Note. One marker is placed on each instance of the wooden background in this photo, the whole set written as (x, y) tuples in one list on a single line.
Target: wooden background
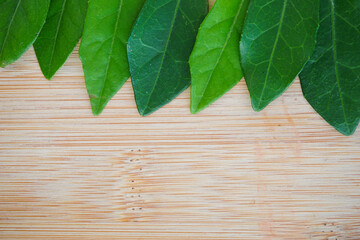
[(226, 173)]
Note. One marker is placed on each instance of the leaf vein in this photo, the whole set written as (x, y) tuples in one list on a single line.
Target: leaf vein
[(165, 50), (8, 30), (110, 55), (273, 50)]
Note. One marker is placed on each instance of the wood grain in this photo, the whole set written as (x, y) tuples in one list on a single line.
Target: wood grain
[(226, 173)]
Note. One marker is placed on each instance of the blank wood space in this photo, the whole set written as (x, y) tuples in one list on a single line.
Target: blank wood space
[(226, 173)]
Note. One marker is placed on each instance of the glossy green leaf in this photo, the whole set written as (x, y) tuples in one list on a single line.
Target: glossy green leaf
[(62, 31), (331, 79), (159, 49), (103, 48), (20, 22), (215, 60), (278, 39)]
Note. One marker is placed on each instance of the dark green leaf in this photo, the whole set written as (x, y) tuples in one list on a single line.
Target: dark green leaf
[(159, 49), (215, 60), (278, 39), (20, 22), (103, 48), (331, 79), (60, 34)]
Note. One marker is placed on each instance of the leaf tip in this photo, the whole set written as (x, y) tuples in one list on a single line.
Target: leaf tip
[(346, 131), (144, 112), (194, 108), (258, 106), (96, 112), (194, 111), (48, 77), (3, 64), (48, 74), (97, 107)]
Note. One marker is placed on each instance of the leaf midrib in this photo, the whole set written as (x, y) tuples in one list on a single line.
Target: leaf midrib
[(223, 49), (56, 36), (333, 32), (273, 52), (110, 56), (8, 30), (164, 53)]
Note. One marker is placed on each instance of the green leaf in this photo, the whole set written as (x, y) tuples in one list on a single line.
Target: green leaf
[(278, 39), (215, 60), (159, 49), (20, 22), (60, 34), (103, 48), (331, 79)]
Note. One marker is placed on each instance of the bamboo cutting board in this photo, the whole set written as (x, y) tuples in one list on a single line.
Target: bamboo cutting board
[(226, 173)]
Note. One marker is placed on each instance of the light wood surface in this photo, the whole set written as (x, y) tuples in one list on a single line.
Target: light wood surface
[(226, 173)]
